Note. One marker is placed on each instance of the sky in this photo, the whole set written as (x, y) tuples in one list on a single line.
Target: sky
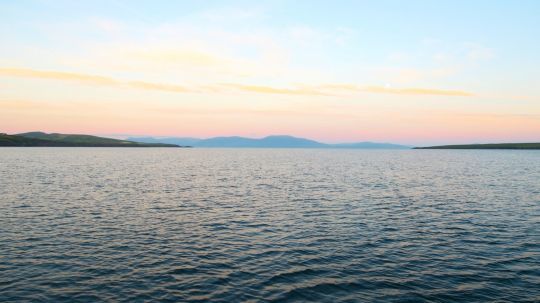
[(409, 72)]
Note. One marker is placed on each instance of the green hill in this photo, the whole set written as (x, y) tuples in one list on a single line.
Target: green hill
[(487, 146), (64, 140)]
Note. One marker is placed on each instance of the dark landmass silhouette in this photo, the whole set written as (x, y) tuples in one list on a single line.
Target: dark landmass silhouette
[(486, 146), (68, 140)]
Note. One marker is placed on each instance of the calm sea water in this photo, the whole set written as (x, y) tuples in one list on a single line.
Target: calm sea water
[(233, 225)]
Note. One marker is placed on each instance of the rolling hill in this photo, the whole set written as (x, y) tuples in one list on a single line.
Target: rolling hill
[(487, 146), (66, 140)]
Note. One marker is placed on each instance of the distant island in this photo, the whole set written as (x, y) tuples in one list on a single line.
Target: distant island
[(282, 141), (487, 146), (34, 139)]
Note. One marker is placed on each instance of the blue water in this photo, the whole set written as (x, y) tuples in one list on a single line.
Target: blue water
[(255, 225)]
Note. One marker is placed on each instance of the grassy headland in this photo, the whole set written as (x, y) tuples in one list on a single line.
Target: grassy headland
[(64, 140), (487, 146)]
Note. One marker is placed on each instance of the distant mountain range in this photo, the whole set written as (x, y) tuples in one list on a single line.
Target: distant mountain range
[(64, 140), (266, 142), (71, 140)]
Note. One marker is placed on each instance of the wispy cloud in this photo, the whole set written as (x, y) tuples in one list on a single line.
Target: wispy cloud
[(31, 73), (89, 79), (416, 91), (158, 86), (389, 90), (107, 25), (331, 89), (229, 14), (274, 90), (476, 52), (182, 57)]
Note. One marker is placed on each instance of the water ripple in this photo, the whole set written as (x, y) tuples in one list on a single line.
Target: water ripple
[(139, 225)]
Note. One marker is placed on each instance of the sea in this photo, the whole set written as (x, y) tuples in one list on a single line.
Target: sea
[(269, 225)]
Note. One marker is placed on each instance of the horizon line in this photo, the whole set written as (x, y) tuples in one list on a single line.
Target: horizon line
[(127, 136)]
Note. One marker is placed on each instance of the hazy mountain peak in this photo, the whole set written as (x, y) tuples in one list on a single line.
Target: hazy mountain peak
[(271, 141)]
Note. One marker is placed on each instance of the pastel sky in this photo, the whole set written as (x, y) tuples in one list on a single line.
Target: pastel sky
[(413, 72)]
